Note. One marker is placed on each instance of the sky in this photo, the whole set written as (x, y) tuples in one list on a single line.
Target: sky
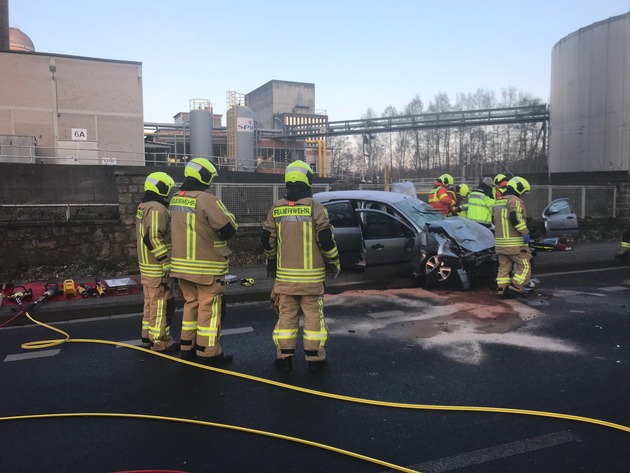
[(359, 54)]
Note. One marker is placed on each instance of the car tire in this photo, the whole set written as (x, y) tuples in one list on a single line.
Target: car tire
[(436, 274)]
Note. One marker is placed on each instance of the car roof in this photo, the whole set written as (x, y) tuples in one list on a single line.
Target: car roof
[(380, 196)]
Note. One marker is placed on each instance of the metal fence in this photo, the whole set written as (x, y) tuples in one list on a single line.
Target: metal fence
[(587, 201), (250, 203)]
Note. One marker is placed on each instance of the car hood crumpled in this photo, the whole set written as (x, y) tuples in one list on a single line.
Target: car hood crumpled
[(468, 234)]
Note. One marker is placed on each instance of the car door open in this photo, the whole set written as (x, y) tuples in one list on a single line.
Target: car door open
[(560, 219), (387, 240)]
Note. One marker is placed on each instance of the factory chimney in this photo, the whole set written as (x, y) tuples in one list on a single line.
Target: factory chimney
[(4, 25)]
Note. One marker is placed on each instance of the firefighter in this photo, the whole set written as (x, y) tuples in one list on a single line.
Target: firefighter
[(512, 238), (440, 198), (480, 203), (624, 252), (500, 182), (201, 227), (301, 251), (459, 193), (153, 239)]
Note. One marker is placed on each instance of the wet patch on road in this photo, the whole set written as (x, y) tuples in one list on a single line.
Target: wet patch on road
[(459, 325)]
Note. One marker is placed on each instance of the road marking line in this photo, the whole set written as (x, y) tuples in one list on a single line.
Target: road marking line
[(386, 314), (31, 355), (236, 331), (495, 453), (614, 288), (230, 331)]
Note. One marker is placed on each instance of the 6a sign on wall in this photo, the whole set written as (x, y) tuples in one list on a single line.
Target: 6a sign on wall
[(79, 134)]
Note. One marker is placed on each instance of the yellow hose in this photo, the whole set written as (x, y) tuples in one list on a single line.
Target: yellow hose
[(502, 410)]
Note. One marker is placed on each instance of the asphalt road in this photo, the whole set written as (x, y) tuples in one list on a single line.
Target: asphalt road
[(563, 351)]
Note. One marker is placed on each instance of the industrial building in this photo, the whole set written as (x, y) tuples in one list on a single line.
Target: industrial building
[(590, 99), (61, 109)]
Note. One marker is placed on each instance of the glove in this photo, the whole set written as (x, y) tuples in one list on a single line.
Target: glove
[(166, 270), (333, 268), (527, 238), (272, 266)]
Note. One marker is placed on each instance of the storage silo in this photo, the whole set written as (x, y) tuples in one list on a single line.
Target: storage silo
[(590, 99), (245, 139), (200, 119)]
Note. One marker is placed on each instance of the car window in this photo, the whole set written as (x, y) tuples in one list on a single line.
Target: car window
[(560, 207), (378, 225), (341, 215), (419, 212)]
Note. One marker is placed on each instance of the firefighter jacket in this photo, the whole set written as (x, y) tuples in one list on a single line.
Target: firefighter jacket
[(199, 251), (153, 241), (294, 241), (509, 219), (480, 205), (441, 200)]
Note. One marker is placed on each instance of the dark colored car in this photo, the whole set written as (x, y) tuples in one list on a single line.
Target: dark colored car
[(388, 229)]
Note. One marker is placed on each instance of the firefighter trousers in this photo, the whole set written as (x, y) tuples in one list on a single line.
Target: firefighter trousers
[(201, 323), (515, 269), (159, 307), (315, 331)]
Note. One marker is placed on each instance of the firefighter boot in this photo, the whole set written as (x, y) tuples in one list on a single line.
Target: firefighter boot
[(284, 364), (314, 366), (218, 360)]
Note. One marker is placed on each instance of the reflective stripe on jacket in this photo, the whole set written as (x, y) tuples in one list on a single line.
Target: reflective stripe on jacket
[(153, 241), (480, 207), (441, 200), (509, 237), (199, 254), (293, 228)]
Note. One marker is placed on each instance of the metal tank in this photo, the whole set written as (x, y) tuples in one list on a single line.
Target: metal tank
[(590, 99), (200, 119), (245, 139)]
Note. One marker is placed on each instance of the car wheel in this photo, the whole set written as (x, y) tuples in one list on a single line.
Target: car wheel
[(435, 272)]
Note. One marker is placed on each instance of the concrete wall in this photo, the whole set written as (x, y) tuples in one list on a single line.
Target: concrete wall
[(47, 96), (70, 214)]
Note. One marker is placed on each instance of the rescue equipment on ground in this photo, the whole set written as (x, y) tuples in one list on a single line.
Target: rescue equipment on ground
[(99, 287), (87, 291), (247, 282), (68, 287)]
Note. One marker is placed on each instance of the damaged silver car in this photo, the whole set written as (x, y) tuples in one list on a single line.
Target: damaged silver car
[(402, 235)]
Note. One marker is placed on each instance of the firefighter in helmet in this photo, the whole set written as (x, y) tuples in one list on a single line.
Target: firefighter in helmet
[(512, 238), (301, 251), (153, 241), (459, 193), (440, 198), (201, 226), (500, 183), (480, 203)]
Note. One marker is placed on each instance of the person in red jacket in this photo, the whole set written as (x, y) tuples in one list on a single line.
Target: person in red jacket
[(500, 185), (440, 198)]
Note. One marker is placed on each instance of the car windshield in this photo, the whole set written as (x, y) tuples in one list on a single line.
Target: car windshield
[(420, 212)]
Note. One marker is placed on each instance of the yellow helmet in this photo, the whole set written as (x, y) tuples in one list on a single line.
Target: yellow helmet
[(201, 169), (462, 190), (498, 178), (160, 183), (446, 179), (519, 185), (298, 171)]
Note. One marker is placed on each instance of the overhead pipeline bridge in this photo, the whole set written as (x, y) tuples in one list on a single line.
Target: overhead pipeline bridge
[(458, 119)]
